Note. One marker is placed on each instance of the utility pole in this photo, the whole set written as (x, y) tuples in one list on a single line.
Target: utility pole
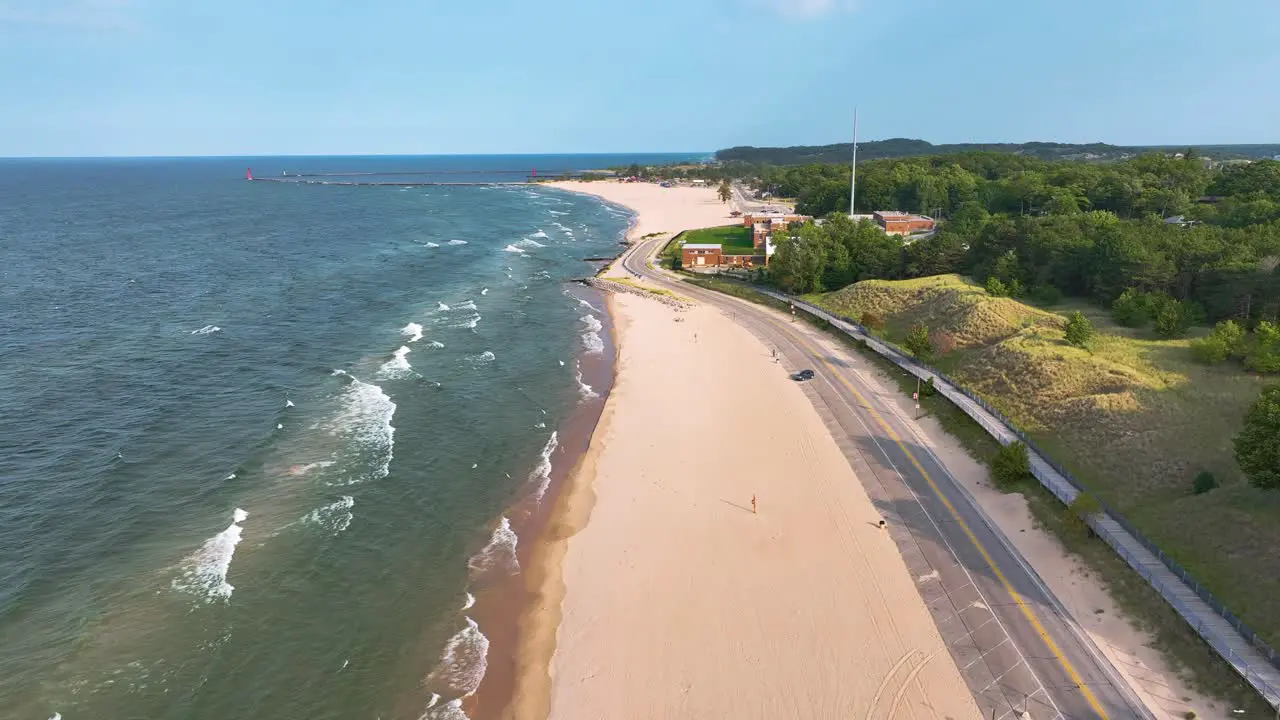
[(853, 167)]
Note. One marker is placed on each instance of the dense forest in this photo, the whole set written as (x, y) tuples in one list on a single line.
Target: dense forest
[(903, 147), (1042, 229)]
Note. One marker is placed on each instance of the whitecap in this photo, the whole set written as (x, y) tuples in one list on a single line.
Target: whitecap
[(529, 243), (430, 244), (441, 306), (485, 291), (465, 305), (457, 242), (288, 403), (56, 716), (334, 517), (451, 710), (470, 601), (591, 338), (436, 344), (541, 474), (462, 664), (364, 420), (206, 330), (514, 249), (561, 363), (279, 426), (398, 366), (539, 426), (558, 212), (584, 389), (499, 553), (470, 323), (483, 358), (204, 572), (413, 331)]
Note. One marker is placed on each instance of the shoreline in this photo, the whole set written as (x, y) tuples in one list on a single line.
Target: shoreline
[(500, 604), (638, 584)]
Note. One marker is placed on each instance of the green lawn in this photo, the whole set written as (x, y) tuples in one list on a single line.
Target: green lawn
[(734, 240)]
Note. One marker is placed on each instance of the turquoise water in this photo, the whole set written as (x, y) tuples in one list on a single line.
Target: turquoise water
[(257, 439)]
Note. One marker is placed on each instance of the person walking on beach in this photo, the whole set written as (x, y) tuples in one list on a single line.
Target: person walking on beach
[(753, 503), (793, 313), (775, 356)]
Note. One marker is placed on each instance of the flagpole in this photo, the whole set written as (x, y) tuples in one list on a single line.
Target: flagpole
[(853, 174)]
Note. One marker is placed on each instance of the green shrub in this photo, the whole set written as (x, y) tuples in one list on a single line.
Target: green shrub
[(1011, 466), (1210, 350), (996, 287), (1015, 288), (1173, 318), (1203, 483), (1079, 330), (1132, 308), (1258, 444), (1264, 350), (918, 344)]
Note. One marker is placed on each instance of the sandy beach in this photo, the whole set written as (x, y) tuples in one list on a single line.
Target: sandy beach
[(660, 593), (704, 610)]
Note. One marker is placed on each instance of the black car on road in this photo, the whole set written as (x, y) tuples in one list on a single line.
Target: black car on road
[(802, 375)]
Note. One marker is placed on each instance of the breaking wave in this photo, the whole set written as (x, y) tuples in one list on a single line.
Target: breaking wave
[(584, 389), (591, 338), (462, 667), (206, 330), (334, 517), (364, 420), (457, 242), (413, 331), (204, 572), (514, 249), (541, 474), (398, 366), (499, 553)]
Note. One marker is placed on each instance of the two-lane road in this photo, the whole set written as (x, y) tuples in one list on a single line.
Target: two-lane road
[(1014, 645)]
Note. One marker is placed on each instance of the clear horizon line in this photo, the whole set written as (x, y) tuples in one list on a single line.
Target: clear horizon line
[(365, 155)]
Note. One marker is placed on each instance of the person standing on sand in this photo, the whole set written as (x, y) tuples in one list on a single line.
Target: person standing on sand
[(753, 503)]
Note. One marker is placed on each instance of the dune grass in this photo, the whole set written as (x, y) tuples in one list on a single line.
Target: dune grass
[(1133, 417)]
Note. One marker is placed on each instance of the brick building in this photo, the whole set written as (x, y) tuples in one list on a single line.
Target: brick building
[(696, 255), (900, 223)]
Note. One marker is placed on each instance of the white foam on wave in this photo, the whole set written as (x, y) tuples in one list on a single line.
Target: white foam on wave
[(499, 553), (204, 572), (441, 306), (451, 710), (288, 403), (584, 389), (514, 249), (413, 331), (582, 302), (462, 665), (365, 421), (465, 305), (457, 242), (558, 212), (530, 243), (436, 344), (206, 330), (334, 517), (541, 474), (483, 358), (469, 602), (430, 244), (591, 338), (398, 366), (470, 323), (484, 291), (539, 234)]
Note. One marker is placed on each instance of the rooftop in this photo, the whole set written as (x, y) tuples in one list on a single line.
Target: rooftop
[(701, 246)]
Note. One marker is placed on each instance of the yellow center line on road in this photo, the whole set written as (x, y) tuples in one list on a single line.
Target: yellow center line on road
[(1017, 597)]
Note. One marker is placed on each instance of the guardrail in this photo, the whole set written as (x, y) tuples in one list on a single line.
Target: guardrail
[(1242, 648)]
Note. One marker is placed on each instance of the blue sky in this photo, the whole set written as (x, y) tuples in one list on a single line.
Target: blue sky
[(243, 77)]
